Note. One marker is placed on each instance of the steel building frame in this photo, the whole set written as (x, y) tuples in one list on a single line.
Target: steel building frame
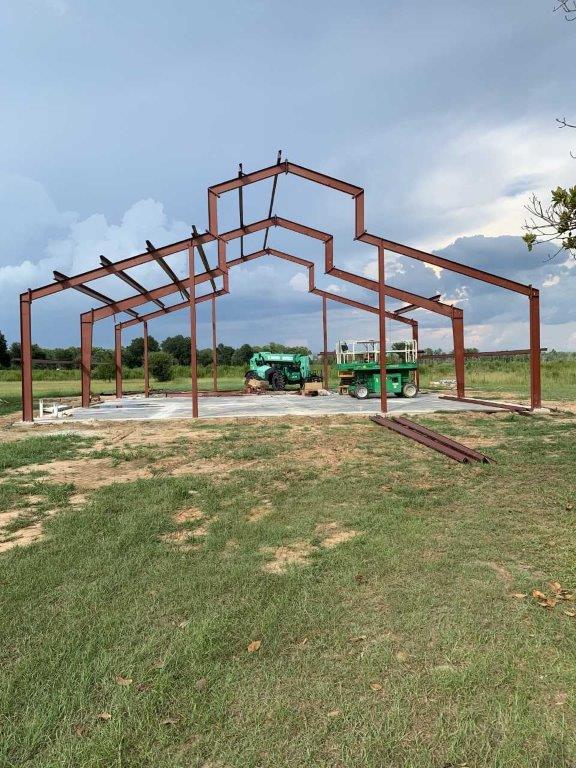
[(188, 287), (326, 295)]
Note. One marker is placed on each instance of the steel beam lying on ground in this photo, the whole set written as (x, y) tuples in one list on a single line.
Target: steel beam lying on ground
[(475, 401), (431, 439)]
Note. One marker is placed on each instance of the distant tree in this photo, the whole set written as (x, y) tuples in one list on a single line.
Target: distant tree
[(224, 354), (101, 355), (37, 352), (205, 356), (178, 347), (105, 368), (64, 354), (242, 355), (133, 354), (275, 347), (161, 366), (4, 354)]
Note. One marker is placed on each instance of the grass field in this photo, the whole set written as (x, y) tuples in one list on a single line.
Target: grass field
[(309, 593)]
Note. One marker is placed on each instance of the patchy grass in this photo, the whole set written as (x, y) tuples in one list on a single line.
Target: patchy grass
[(342, 598), (40, 449)]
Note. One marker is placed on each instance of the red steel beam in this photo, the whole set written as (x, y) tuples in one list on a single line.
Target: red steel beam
[(86, 326), (145, 361), (535, 373), (448, 310), (118, 358), (214, 351), (325, 382), (127, 279), (382, 330), (358, 194), (123, 264), (93, 294), (411, 307), (193, 325), (26, 355), (458, 336)]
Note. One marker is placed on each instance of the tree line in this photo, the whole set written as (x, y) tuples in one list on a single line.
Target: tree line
[(176, 348)]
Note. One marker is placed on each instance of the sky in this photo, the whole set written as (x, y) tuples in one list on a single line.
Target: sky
[(116, 117)]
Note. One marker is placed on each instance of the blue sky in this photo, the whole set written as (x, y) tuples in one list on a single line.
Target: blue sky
[(117, 116)]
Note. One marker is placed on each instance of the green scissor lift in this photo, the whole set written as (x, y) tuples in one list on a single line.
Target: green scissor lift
[(358, 364)]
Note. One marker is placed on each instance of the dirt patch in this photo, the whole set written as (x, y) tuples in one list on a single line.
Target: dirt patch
[(187, 539), (501, 571), (200, 531), (23, 537), (91, 473), (333, 534), (281, 558), (188, 515), (78, 499), (260, 512), (176, 537), (298, 552), (7, 517)]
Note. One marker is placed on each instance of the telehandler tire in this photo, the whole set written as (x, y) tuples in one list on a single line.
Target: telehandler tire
[(277, 381)]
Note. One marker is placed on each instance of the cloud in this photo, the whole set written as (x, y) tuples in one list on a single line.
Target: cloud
[(59, 7), (269, 299), (477, 181), (28, 217), (299, 282), (393, 267)]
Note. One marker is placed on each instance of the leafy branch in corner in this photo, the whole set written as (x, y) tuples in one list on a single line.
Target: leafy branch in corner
[(568, 7), (555, 223)]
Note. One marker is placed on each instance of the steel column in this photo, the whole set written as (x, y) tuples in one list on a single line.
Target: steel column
[(26, 356), (86, 325), (145, 361), (382, 329), (193, 353), (118, 359), (458, 336), (535, 382), (325, 337), (214, 353), (415, 338)]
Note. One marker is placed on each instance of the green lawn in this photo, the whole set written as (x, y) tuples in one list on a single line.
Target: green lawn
[(377, 578)]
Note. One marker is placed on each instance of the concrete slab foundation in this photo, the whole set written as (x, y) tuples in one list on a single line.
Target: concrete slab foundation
[(262, 406)]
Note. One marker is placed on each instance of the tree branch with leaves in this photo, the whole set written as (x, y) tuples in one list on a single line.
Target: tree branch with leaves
[(555, 223)]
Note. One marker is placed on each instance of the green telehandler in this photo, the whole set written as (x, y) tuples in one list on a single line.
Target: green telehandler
[(280, 369)]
